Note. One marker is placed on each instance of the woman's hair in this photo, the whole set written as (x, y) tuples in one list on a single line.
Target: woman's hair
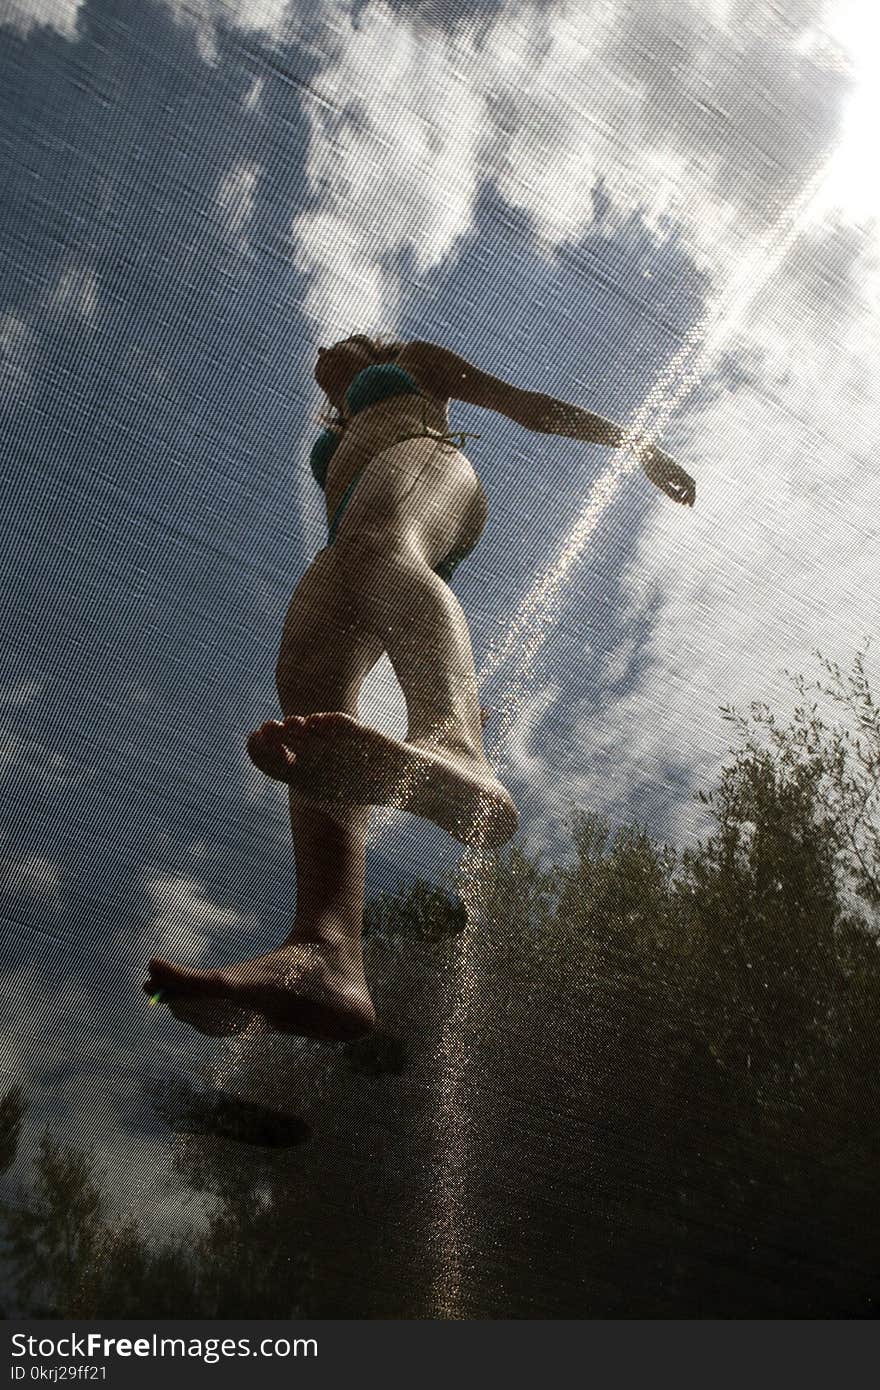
[(383, 350)]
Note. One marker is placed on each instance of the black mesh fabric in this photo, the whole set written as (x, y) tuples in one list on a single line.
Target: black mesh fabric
[(623, 1064)]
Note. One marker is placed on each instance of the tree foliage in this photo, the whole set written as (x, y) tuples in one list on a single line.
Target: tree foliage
[(12, 1111)]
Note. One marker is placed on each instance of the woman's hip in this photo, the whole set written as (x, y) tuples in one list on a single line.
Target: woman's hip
[(420, 488)]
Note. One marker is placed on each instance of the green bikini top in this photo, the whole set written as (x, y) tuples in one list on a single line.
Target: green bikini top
[(373, 384)]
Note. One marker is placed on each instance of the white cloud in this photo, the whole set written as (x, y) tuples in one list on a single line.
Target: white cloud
[(205, 18), (409, 121), (20, 696), (76, 292), (36, 761), (26, 15), (521, 758), (18, 354), (850, 36), (382, 703), (252, 100), (566, 121), (185, 922), (235, 199), (778, 558), (617, 663)]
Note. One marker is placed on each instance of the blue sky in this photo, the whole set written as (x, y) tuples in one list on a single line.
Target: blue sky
[(665, 209)]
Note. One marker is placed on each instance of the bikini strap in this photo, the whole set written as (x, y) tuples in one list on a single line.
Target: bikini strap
[(426, 433)]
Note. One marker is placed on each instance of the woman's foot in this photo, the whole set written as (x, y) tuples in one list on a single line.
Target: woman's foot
[(313, 989), (268, 752), (332, 757), (209, 1016)]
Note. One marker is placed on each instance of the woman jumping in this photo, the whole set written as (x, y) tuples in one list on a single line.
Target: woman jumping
[(404, 507)]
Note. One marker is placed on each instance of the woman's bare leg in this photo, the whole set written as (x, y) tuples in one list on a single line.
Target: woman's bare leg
[(413, 504), (313, 983), (374, 589)]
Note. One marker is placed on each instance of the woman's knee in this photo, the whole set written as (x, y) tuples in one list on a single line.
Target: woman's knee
[(323, 667), (307, 663), (309, 690), (296, 686)]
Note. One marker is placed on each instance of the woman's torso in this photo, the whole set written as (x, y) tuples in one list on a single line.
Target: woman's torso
[(378, 427)]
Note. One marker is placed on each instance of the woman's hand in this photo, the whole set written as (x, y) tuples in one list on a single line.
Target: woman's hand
[(666, 474)]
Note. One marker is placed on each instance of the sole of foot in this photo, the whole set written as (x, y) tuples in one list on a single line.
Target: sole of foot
[(212, 1017), (332, 757), (219, 1003)]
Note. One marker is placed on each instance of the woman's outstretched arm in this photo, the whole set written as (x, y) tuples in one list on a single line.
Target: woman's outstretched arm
[(551, 416), (449, 376)]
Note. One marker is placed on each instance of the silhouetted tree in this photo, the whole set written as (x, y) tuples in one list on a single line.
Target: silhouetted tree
[(70, 1258), (12, 1109)]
